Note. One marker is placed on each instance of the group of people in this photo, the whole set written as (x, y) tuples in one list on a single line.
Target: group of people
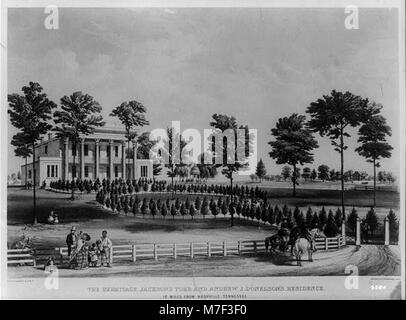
[(53, 218), (82, 254)]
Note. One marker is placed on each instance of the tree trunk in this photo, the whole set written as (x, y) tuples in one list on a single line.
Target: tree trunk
[(74, 170), (374, 182), (34, 204), (342, 172), (294, 180), (26, 172)]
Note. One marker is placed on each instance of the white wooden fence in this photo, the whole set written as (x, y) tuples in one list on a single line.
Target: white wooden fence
[(21, 257), (156, 251)]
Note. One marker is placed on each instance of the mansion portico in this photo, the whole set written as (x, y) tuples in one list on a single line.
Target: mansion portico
[(103, 154)]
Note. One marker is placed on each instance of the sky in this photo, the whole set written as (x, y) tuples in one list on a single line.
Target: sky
[(187, 64)]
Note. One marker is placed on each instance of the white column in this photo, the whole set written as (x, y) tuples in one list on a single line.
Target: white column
[(358, 233), (97, 159), (387, 233), (82, 159), (134, 160), (123, 158), (343, 232), (111, 160), (66, 156)]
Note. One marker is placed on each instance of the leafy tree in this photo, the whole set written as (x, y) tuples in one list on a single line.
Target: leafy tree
[(23, 149), (293, 144), (332, 115), (372, 136), (260, 171), (286, 172), (173, 144), (30, 113), (313, 175), (223, 123), (132, 115), (154, 210), (372, 220), (323, 172), (80, 115)]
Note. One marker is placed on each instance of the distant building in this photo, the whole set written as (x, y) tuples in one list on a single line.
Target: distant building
[(103, 154)]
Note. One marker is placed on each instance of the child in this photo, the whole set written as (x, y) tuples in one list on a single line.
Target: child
[(93, 255), (50, 265)]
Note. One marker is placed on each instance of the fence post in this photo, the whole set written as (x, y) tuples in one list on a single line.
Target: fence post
[(343, 232), (239, 248), (174, 250), (35, 257), (387, 232), (134, 253), (111, 255), (60, 256), (224, 249), (255, 246), (326, 243), (358, 232), (155, 252), (191, 250), (339, 242), (208, 249)]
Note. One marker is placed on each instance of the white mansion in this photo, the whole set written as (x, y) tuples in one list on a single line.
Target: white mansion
[(102, 154)]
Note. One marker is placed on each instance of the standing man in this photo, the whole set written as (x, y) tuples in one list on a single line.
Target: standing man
[(71, 240), (106, 245)]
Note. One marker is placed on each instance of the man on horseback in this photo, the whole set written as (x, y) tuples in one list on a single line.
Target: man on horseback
[(284, 233), (310, 236)]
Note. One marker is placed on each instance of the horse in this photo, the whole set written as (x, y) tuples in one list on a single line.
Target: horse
[(303, 245), (294, 235), (272, 243)]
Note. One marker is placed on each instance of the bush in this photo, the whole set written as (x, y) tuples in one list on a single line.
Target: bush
[(393, 227), (331, 229), (372, 220), (352, 220)]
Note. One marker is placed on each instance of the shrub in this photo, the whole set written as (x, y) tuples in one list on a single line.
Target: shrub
[(164, 210), (192, 210), (331, 229), (352, 220), (173, 211), (393, 227), (372, 220)]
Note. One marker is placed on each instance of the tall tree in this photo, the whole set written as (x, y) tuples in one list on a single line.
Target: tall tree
[(79, 115), (286, 172), (145, 144), (372, 136), (224, 122), (293, 144), (260, 171), (332, 115), (173, 143), (323, 172), (132, 115), (23, 149), (30, 114)]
